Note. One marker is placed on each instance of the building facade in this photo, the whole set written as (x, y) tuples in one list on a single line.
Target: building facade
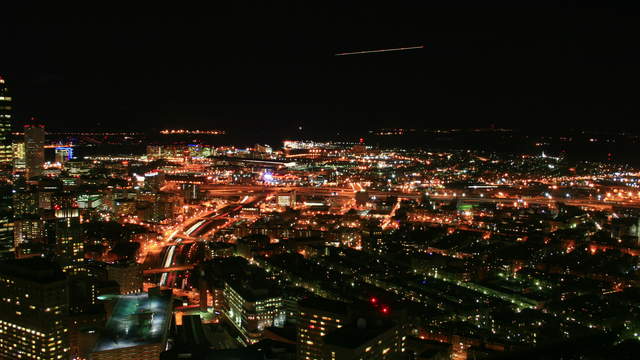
[(127, 275), (366, 341), (34, 150), (35, 300), (68, 246), (18, 157), (29, 235), (252, 310), (6, 153), (6, 221), (317, 318)]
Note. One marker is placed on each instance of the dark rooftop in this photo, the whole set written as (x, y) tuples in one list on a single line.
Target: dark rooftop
[(254, 289), (351, 336), (34, 269), (326, 305), (202, 353)]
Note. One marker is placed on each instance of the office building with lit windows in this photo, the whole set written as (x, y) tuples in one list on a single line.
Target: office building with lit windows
[(68, 246), (28, 236), (128, 275), (253, 308), (317, 318), (6, 221), (34, 150), (6, 153), (6, 162), (25, 200), (366, 339), (18, 157), (34, 301)]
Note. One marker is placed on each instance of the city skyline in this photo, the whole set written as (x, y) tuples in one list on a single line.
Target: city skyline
[(439, 181)]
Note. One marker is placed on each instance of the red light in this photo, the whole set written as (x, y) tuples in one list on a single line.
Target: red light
[(385, 310), (374, 300), (312, 327), (361, 140)]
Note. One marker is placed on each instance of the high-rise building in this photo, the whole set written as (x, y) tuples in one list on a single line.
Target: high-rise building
[(154, 180), (6, 154), (18, 156), (28, 226), (155, 207), (28, 235), (63, 154), (191, 193), (317, 318), (366, 340), (34, 150), (128, 275), (6, 162), (35, 301), (48, 191), (6, 221), (67, 244), (252, 308), (25, 201)]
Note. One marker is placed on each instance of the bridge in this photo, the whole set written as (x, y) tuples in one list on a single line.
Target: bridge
[(168, 269), (231, 190), (254, 161), (239, 190)]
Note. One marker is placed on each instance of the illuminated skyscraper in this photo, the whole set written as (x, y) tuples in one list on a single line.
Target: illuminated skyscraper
[(68, 246), (18, 156), (6, 221), (6, 156), (32, 323), (34, 150), (6, 163)]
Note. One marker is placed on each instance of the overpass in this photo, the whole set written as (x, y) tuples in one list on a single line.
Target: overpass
[(239, 190), (168, 269), (254, 161)]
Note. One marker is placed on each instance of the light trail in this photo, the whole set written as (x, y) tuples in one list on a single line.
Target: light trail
[(167, 263), (169, 258), (379, 50), (389, 220), (194, 227), (173, 234)]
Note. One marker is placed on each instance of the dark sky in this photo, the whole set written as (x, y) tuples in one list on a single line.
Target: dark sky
[(271, 67)]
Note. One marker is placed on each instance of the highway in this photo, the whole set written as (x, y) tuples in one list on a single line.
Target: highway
[(239, 190), (186, 237), (181, 243), (168, 269)]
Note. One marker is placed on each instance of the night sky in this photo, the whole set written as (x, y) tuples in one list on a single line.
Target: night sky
[(271, 68)]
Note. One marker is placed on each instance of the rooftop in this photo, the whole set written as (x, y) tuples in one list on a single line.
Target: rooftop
[(34, 269), (325, 305), (137, 320), (351, 336), (254, 289)]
